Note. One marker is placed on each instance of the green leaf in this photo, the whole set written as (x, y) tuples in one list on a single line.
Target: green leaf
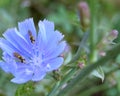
[(99, 73), (68, 58)]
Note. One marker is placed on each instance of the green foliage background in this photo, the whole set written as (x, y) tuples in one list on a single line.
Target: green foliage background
[(64, 14)]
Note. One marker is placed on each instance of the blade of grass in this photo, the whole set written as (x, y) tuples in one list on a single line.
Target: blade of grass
[(81, 46)]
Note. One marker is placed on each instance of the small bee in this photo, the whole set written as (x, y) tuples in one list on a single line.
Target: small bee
[(17, 55), (31, 36)]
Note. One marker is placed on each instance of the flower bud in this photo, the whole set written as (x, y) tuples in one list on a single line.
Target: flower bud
[(81, 65), (102, 53), (84, 14), (113, 35), (110, 37)]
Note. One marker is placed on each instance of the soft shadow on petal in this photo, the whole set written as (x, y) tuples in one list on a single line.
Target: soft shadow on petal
[(38, 74), (53, 42), (42, 36), (23, 76), (45, 33), (7, 47), (18, 41), (57, 51), (10, 63), (55, 63), (20, 80)]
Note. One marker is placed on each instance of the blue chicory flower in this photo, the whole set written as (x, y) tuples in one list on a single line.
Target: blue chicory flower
[(29, 55)]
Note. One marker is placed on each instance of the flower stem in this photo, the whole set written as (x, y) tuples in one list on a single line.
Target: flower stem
[(55, 87), (92, 30), (81, 46)]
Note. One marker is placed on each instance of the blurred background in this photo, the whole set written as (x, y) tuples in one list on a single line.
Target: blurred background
[(67, 16)]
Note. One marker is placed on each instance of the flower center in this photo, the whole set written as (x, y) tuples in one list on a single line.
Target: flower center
[(37, 61)]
